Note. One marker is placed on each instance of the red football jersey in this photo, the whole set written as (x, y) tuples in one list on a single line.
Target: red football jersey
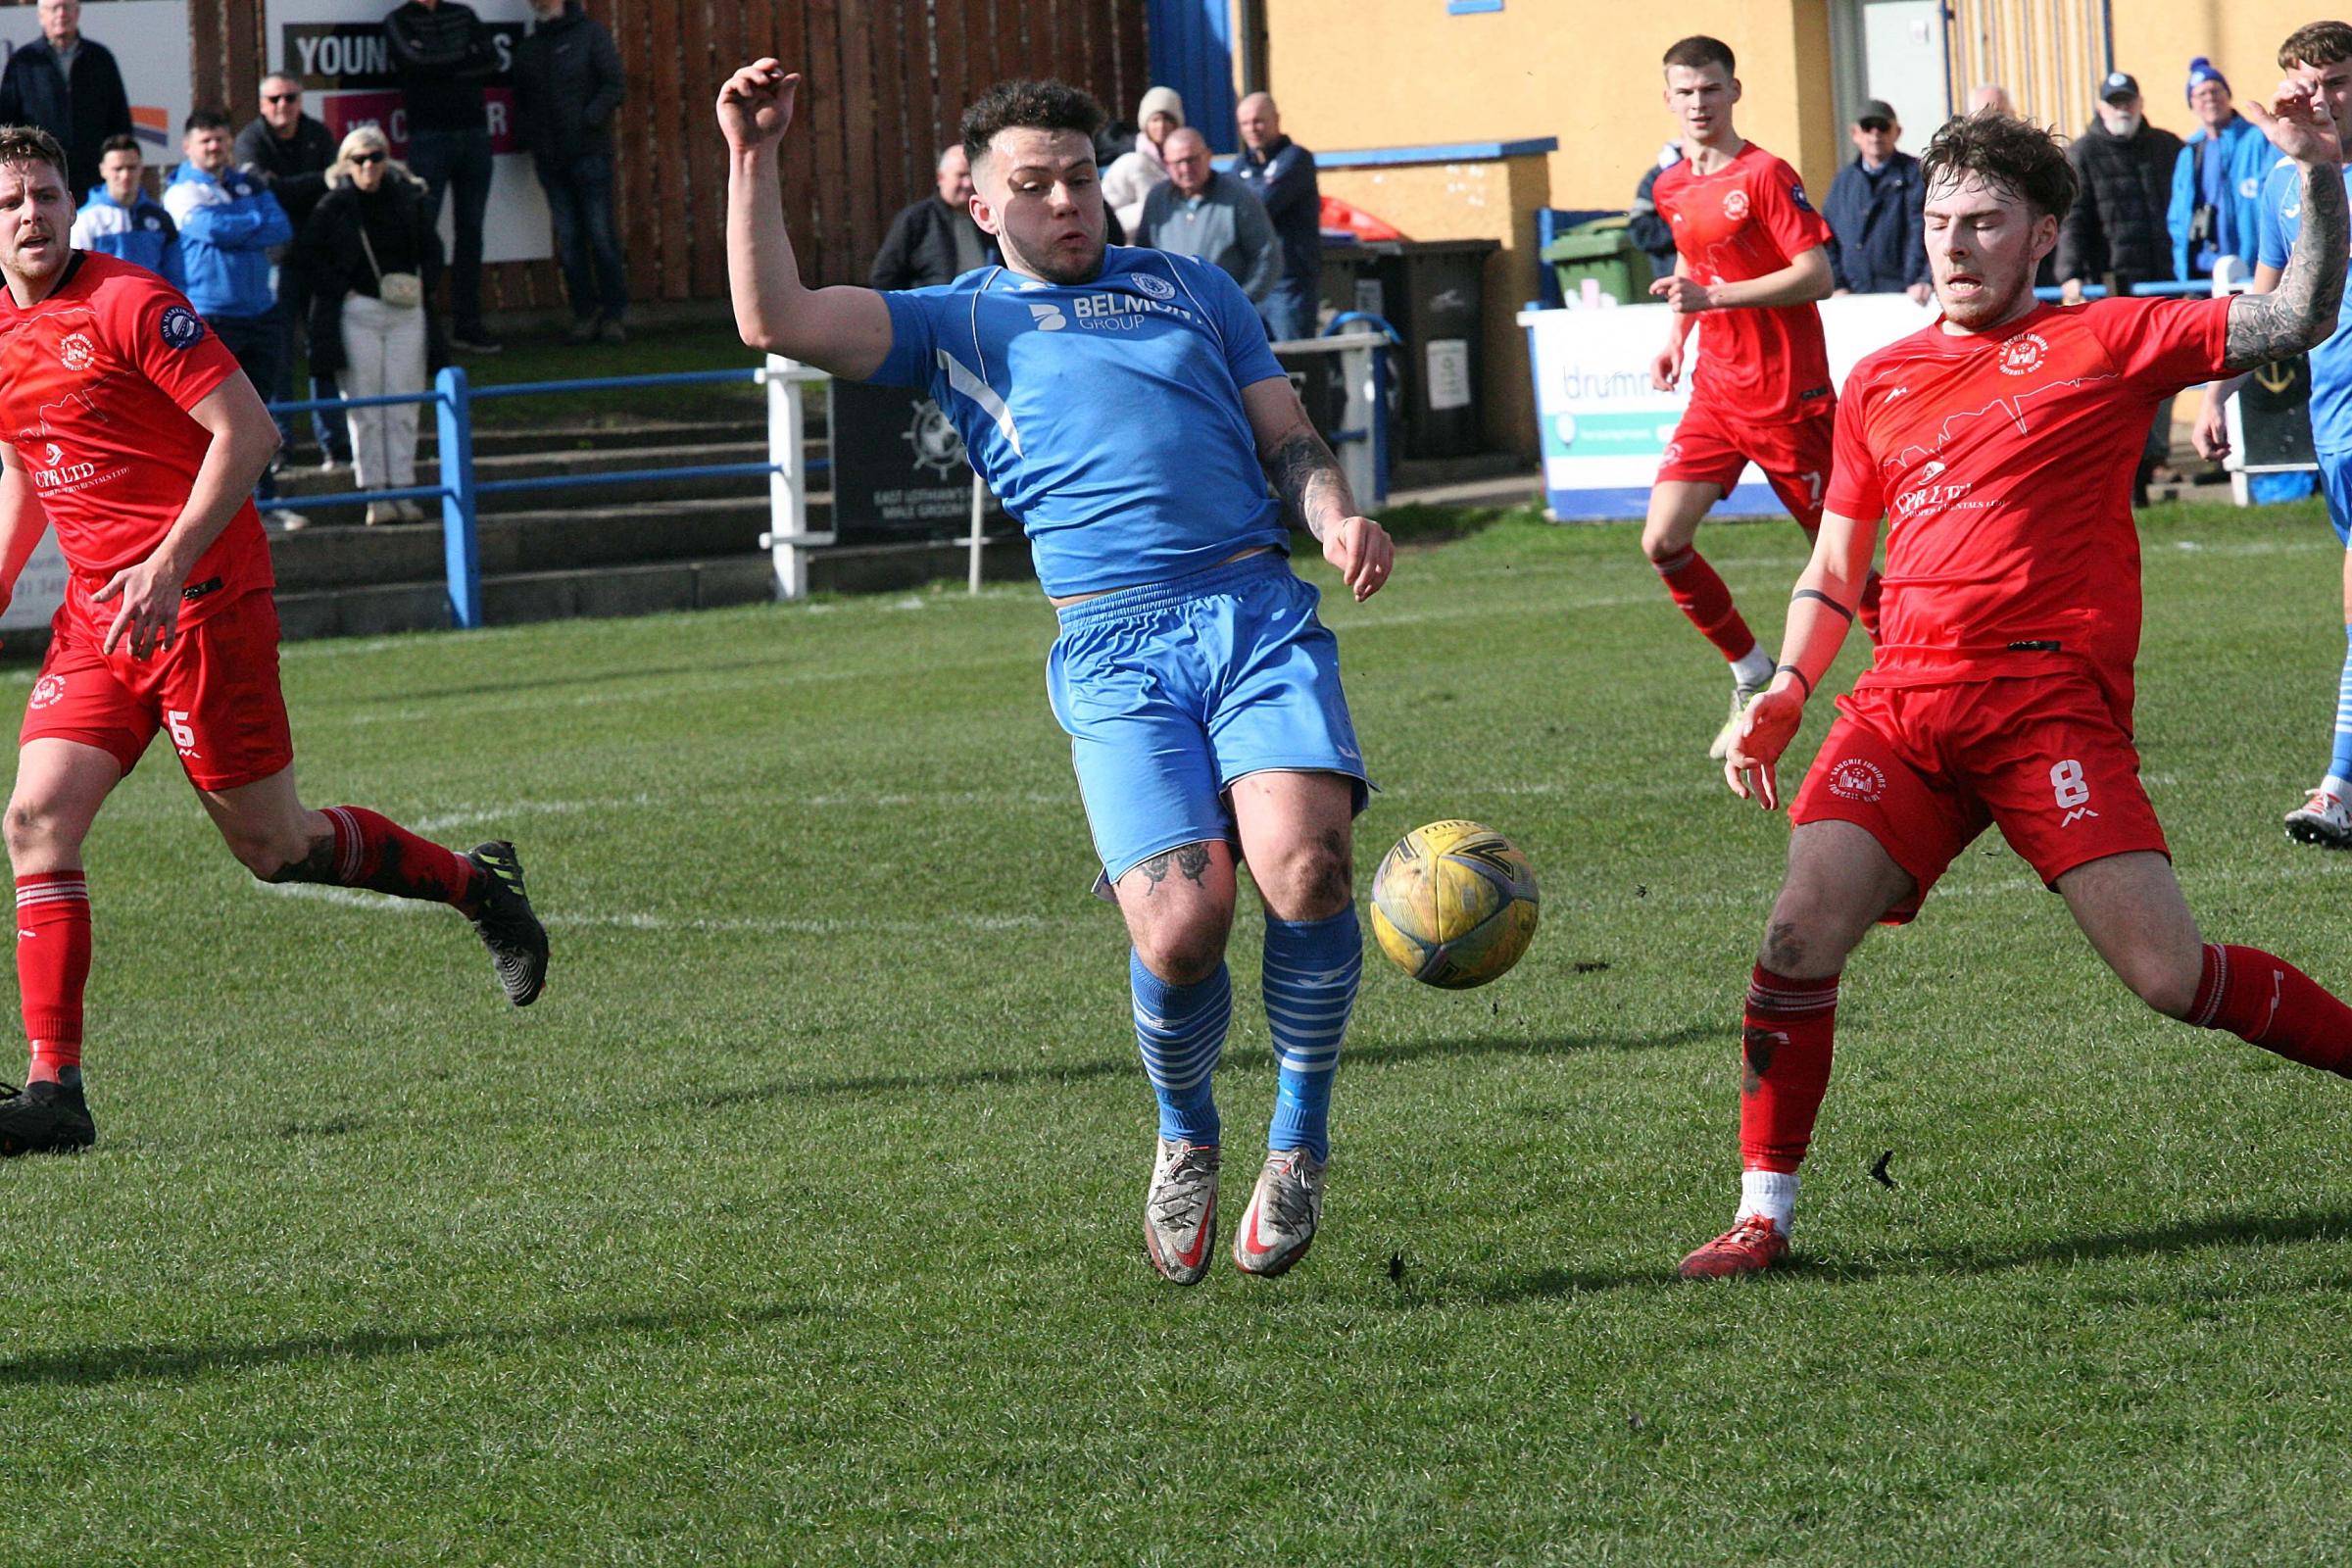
[(95, 382), (2003, 464), (1749, 219)]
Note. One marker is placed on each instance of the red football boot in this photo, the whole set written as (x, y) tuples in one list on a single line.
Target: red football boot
[(1750, 1246)]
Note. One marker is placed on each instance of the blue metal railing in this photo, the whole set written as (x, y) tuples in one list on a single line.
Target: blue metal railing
[(460, 493)]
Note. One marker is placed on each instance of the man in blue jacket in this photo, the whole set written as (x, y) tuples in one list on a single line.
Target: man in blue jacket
[(122, 219), (1281, 174), (228, 224), (2217, 183), (1875, 212)]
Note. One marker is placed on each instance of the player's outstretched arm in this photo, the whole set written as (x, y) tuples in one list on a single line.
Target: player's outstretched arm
[(2210, 435), (2301, 311), (840, 330), (244, 440), (21, 521), (1820, 610), (1308, 478)]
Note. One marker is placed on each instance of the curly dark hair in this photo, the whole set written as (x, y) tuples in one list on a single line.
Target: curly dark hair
[(2021, 159), (30, 144), (1042, 105)]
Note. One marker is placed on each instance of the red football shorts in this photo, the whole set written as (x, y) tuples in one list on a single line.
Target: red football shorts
[(215, 689), (1713, 447), (1924, 769)]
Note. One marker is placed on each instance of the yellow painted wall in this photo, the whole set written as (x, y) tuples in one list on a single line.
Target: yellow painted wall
[(1359, 73), (1494, 199)]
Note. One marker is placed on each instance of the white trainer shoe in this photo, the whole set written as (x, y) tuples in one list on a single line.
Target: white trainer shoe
[(2324, 819), (1279, 1225), (1180, 1210), (1742, 695)]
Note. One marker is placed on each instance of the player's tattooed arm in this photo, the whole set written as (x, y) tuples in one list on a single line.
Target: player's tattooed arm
[(2301, 311), (1308, 478)]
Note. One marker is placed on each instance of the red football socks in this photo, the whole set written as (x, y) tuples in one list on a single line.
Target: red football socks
[(1785, 1045), (2268, 1002), (377, 854), (53, 962), (1697, 592)]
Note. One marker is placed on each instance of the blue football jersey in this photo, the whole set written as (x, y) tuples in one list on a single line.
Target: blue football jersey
[(1107, 416), (2280, 220)]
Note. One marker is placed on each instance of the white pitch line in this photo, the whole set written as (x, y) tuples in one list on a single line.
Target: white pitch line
[(385, 903)]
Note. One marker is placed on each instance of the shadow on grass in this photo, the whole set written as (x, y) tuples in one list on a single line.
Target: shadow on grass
[(2228, 1230), (1420, 524), (1077, 1072), (597, 677), (176, 1363)]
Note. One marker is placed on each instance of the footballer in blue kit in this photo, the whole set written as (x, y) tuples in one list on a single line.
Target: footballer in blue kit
[(1125, 407), (2319, 56)]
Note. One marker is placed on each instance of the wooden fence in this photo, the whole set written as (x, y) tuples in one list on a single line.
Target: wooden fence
[(886, 81)]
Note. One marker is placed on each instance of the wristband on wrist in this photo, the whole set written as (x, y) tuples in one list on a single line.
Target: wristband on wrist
[(1792, 669)]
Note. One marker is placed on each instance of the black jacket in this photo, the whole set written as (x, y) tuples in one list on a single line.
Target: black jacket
[(567, 81), (334, 262), (35, 92), (442, 55), (2116, 224), (295, 169), (920, 248)]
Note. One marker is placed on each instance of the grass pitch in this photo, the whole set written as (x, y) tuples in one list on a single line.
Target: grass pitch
[(799, 1221)]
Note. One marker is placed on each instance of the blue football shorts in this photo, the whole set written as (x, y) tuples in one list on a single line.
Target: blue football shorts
[(1171, 691), (2335, 483)]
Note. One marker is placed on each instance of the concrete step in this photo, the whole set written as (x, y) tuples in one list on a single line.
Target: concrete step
[(510, 600), (329, 555), (299, 484)]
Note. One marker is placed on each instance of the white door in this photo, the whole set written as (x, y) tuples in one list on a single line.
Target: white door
[(1903, 62)]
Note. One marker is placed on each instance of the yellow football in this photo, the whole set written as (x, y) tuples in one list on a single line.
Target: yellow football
[(1453, 904)]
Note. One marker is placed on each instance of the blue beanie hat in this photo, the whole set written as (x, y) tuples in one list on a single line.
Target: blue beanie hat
[(2201, 72)]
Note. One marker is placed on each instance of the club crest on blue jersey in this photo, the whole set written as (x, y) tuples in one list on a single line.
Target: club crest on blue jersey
[(1159, 288), (181, 328)]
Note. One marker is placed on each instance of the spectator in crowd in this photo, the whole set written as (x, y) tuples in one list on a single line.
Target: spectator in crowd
[(69, 86), (289, 152), (1875, 212), (2217, 180), (1991, 96), (2123, 168), (443, 55), (1131, 177), (122, 219), (227, 225), (1281, 174), (1201, 213), (371, 254), (567, 81), (935, 241), (1652, 232), (2116, 228)]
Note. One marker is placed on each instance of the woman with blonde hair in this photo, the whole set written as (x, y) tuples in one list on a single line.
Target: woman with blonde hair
[(372, 255)]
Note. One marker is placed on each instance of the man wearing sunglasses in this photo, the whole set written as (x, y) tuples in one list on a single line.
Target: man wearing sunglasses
[(1874, 209), (289, 152)]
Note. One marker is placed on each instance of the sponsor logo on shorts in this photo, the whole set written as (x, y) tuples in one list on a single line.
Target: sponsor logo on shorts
[(1671, 456), (76, 351), (2023, 354), (1159, 288), (47, 689), (1856, 779), (181, 328), (1735, 205)]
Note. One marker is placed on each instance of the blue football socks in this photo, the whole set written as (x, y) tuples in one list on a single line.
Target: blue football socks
[(1180, 1032), (1311, 972), (2340, 767)]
